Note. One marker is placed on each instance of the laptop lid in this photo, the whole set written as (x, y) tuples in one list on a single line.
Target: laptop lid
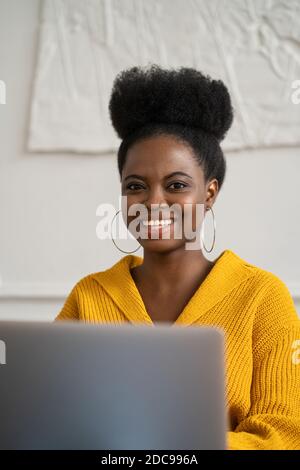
[(104, 386)]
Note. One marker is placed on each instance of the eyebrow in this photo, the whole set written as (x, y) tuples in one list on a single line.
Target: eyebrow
[(166, 177)]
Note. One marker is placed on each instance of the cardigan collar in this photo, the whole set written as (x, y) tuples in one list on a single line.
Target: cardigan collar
[(228, 271)]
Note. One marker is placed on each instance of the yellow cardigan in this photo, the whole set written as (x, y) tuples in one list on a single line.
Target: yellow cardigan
[(262, 331)]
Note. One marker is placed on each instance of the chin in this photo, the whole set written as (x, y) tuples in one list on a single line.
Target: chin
[(161, 245)]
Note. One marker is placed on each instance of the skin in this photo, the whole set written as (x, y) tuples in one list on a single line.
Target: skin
[(169, 270)]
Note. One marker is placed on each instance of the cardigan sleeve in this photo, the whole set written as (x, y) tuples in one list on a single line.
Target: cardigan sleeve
[(70, 309), (273, 421)]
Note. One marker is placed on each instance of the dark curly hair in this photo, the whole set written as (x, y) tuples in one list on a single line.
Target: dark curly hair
[(181, 102)]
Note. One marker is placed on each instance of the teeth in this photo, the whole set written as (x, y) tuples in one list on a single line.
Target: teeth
[(157, 222)]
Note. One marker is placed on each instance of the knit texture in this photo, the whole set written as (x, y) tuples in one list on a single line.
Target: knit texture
[(262, 339)]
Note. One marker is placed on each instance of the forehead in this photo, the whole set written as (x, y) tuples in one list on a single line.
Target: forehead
[(160, 155)]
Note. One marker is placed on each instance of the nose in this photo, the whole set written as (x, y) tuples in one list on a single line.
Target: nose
[(156, 203), (155, 200)]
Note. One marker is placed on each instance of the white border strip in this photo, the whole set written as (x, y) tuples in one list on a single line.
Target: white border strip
[(59, 291), (35, 290)]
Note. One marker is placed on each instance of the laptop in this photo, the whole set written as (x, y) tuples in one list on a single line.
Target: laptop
[(72, 385)]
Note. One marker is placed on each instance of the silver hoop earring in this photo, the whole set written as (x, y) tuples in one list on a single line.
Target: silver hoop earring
[(202, 233), (120, 249)]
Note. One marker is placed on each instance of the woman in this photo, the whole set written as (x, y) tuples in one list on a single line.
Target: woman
[(171, 123)]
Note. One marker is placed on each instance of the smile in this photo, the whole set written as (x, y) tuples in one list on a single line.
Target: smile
[(158, 223)]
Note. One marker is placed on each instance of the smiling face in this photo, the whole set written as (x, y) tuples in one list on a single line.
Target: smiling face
[(161, 170)]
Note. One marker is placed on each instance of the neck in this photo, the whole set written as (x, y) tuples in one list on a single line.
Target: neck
[(164, 271)]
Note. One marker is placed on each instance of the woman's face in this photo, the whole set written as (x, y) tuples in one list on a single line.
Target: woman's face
[(161, 170)]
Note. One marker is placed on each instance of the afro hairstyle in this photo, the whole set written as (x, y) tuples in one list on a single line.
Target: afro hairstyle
[(183, 102)]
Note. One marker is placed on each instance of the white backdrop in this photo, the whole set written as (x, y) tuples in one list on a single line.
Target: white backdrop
[(48, 201)]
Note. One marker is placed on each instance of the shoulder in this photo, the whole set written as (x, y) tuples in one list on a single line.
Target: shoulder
[(273, 293), (274, 301), (265, 283), (276, 317), (270, 288), (88, 283), (274, 311), (113, 275)]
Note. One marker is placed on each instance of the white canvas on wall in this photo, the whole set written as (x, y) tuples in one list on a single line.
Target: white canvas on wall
[(253, 46)]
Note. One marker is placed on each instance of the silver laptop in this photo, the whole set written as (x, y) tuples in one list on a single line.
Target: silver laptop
[(128, 387)]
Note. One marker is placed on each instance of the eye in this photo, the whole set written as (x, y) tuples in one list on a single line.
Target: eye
[(134, 186), (183, 185)]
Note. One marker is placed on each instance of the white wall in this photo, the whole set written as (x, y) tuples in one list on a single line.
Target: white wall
[(48, 201)]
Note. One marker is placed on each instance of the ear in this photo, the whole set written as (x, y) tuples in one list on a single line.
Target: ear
[(212, 189)]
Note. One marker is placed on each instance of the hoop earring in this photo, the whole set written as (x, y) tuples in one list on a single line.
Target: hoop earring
[(202, 232), (123, 251)]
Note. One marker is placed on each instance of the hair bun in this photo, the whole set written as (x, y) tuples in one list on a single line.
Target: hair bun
[(183, 96)]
